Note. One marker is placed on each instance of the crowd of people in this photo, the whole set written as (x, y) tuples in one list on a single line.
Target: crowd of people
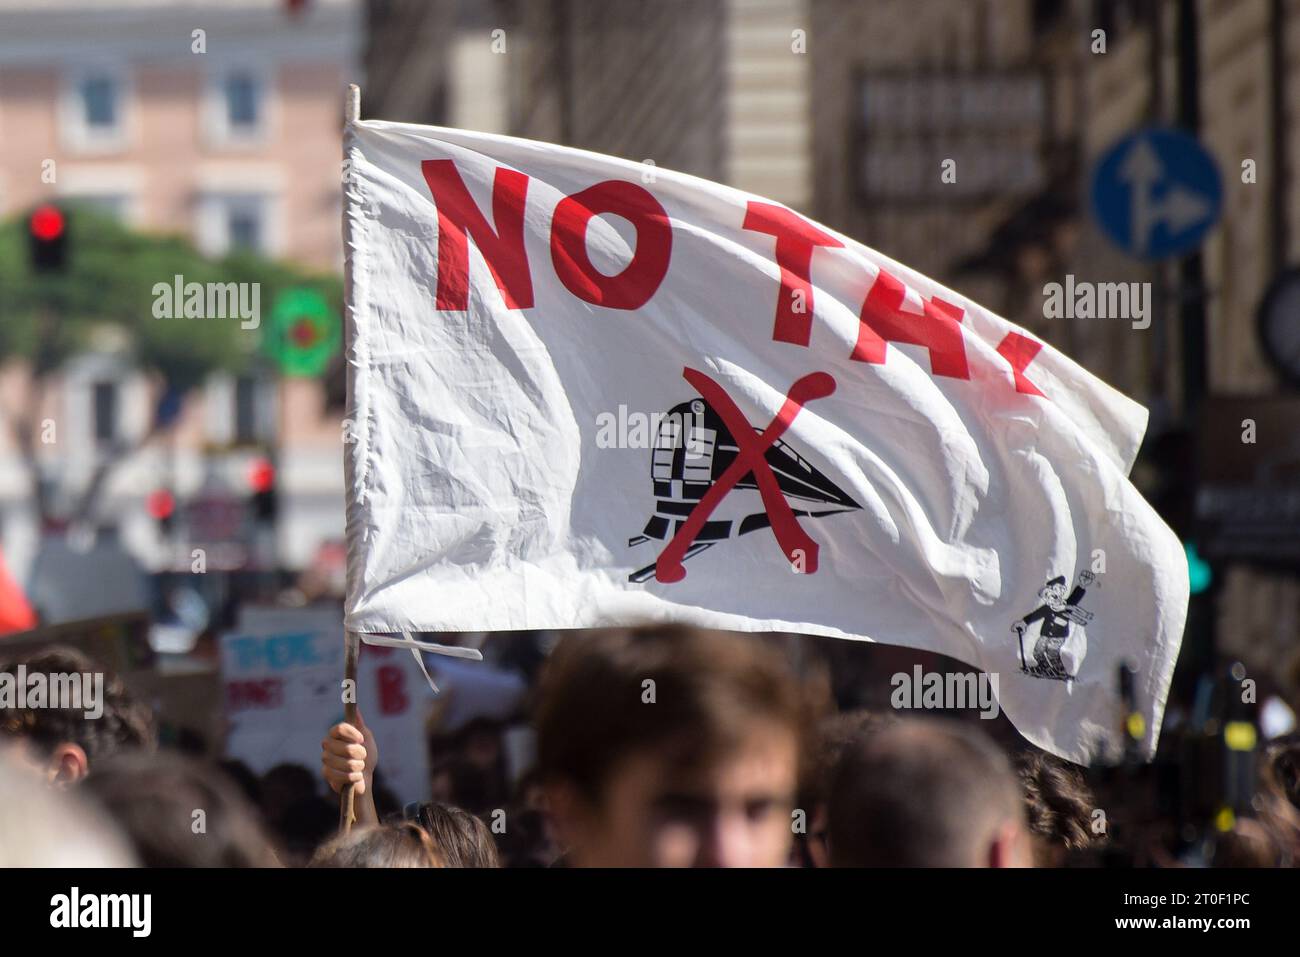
[(657, 746)]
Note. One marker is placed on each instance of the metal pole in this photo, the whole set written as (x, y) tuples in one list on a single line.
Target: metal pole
[(347, 797), (1192, 294), (1158, 357), (1279, 175), (1201, 629)]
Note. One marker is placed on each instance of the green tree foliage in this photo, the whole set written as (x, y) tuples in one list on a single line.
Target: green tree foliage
[(110, 278)]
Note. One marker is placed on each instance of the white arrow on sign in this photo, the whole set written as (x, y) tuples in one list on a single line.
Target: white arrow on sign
[(1178, 209)]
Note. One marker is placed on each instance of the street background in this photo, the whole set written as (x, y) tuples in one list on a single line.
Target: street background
[(173, 490)]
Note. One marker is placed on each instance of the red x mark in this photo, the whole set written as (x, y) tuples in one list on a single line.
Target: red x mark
[(750, 458), (1019, 351)]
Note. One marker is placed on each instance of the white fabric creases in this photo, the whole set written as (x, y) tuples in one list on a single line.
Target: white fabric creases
[(521, 312)]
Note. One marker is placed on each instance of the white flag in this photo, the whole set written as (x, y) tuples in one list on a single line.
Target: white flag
[(588, 391)]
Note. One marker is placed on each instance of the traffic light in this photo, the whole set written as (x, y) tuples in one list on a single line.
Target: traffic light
[(161, 505), (261, 479), (47, 236), (1200, 574)]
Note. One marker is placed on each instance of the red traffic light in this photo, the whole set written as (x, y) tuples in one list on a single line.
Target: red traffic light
[(160, 504), (261, 476), (47, 223)]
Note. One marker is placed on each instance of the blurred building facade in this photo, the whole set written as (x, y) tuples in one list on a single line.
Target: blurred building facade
[(220, 122), (709, 87), (841, 109), (214, 120)]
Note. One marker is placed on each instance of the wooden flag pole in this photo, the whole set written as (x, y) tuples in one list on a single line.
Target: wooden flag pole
[(351, 642), (352, 110), (348, 797)]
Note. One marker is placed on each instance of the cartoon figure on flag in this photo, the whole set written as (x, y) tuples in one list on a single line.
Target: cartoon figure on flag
[(1059, 650)]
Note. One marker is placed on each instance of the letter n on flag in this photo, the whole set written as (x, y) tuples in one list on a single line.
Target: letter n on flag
[(584, 391)]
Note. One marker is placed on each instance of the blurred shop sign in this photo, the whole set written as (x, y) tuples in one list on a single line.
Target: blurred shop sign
[(282, 672), (1248, 496), (991, 124)]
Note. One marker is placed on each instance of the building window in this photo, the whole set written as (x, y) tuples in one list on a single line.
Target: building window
[(236, 108), (243, 103), (246, 393), (105, 400), (244, 226), (99, 102), (235, 221), (95, 114)]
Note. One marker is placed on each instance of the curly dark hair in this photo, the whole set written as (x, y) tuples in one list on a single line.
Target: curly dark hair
[(124, 725), (1058, 802), (1282, 756)]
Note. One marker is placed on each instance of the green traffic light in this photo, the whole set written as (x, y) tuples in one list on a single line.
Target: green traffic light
[(304, 332), (1199, 573)]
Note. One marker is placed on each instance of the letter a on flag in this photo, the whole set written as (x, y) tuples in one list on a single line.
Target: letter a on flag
[(584, 391)]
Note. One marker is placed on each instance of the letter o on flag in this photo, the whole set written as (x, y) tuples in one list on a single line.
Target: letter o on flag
[(633, 287)]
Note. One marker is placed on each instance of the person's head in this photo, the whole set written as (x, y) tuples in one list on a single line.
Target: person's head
[(461, 838), (1270, 835), (82, 715), (834, 735), (302, 828), (284, 786), (179, 812), (530, 792), (244, 777), (1053, 593), (405, 844), (668, 746), (1281, 757), (41, 828), (528, 841), (924, 793), (479, 743), (1058, 806)]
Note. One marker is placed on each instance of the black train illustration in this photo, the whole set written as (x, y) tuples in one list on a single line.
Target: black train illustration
[(692, 449)]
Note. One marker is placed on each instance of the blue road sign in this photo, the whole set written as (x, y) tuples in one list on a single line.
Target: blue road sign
[(1156, 193)]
